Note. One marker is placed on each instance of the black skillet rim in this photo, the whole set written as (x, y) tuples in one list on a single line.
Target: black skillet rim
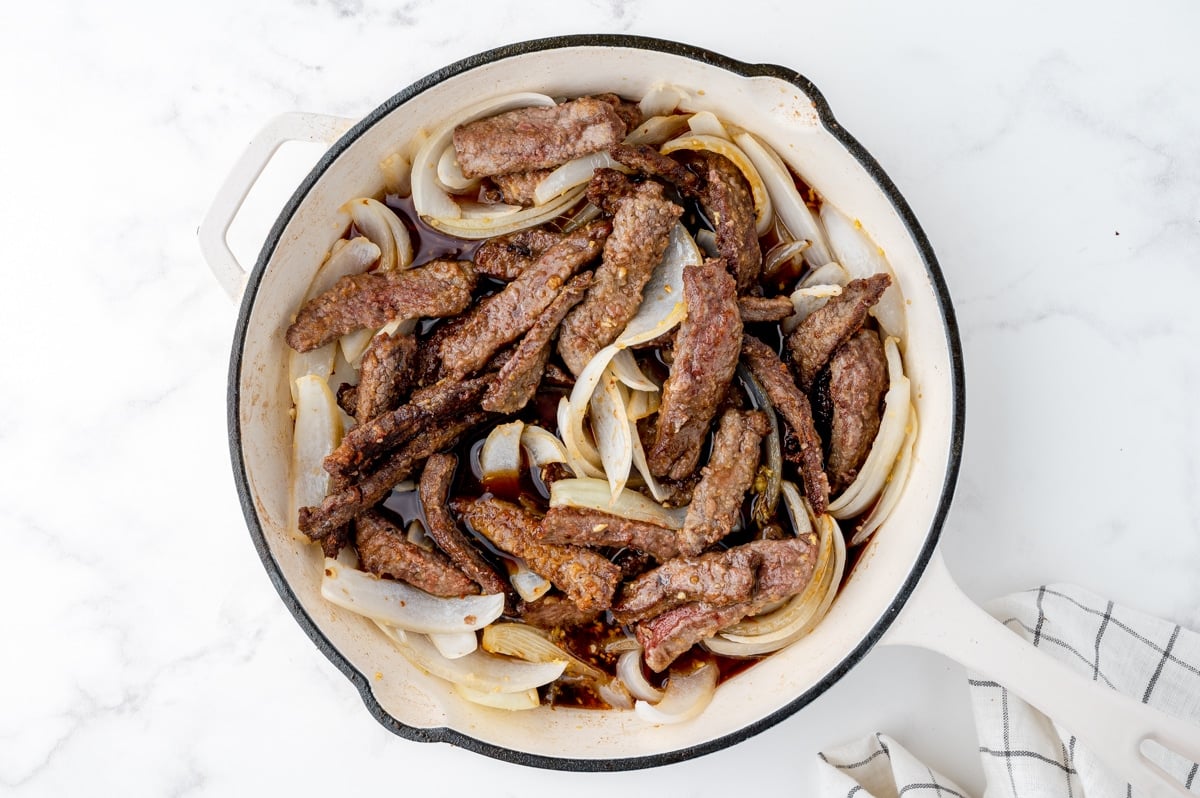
[(456, 738)]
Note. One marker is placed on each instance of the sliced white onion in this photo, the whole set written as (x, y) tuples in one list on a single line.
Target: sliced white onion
[(657, 130), (527, 643), (449, 173), (456, 645), (783, 252), (582, 456), (489, 213), (705, 123), (894, 488), (660, 99), (404, 606), (513, 702), (629, 671), (500, 456), (497, 222), (344, 373), (798, 510), (685, 697), (587, 213), (317, 432), (764, 214), (625, 368), (572, 173), (378, 223), (345, 258), (397, 174), (478, 670), (353, 344), (893, 428), (789, 205), (862, 258), (542, 447), (317, 362), (639, 460), (529, 585), (707, 240), (416, 535), (805, 302), (610, 426), (594, 494)]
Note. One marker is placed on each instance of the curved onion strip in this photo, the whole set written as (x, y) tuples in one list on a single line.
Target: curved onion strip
[(353, 344), (686, 696), (629, 671), (397, 174), (763, 210), (529, 586), (416, 535), (705, 123), (317, 362), (894, 487), (707, 240), (571, 174), (500, 455), (513, 702), (478, 670), (404, 606), (345, 258), (643, 467), (449, 173), (780, 254), (610, 426), (371, 217), (768, 498), (594, 494), (487, 212), (874, 471), (532, 645), (542, 447), (494, 223), (429, 199), (582, 456), (662, 98), (584, 215), (455, 645), (803, 300), (625, 368), (317, 432), (657, 130), (789, 205), (862, 257)]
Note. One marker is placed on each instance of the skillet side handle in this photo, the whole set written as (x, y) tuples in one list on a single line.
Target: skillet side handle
[(213, 231), (940, 617)]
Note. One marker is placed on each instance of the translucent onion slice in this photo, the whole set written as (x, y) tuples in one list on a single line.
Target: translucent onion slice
[(873, 473), (639, 461), (317, 362), (806, 301), (629, 671), (610, 426), (582, 456), (456, 645), (529, 586), (500, 457), (762, 193), (706, 123), (789, 205), (625, 368), (894, 487), (449, 173), (542, 447), (862, 257), (513, 702), (594, 494), (353, 344), (584, 215), (487, 212), (378, 223), (686, 696), (496, 223), (345, 258), (397, 174), (781, 253), (571, 174), (478, 670), (528, 643), (404, 606), (317, 432), (429, 199), (707, 240), (344, 372), (660, 99), (657, 130)]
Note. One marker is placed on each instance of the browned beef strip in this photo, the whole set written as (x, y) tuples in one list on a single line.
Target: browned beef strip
[(553, 611), (756, 309), (384, 550), (587, 578), (718, 578), (705, 357), (793, 405), (786, 568), (333, 543), (814, 339), (576, 527), (345, 503), (505, 316), (857, 380), (505, 257), (641, 230), (729, 205), (372, 299), (517, 188), (386, 375), (724, 480), (630, 112), (649, 161), (434, 490), (518, 380), (557, 376), (347, 398), (537, 137), (369, 441)]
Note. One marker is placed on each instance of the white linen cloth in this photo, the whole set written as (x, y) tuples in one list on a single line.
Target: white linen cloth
[(1024, 753)]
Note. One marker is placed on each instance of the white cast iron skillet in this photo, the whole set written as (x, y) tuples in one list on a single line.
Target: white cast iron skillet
[(901, 567)]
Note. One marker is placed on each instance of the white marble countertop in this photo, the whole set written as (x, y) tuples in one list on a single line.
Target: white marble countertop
[(1050, 153)]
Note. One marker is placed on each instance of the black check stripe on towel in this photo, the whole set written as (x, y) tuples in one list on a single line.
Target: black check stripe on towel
[(879, 767)]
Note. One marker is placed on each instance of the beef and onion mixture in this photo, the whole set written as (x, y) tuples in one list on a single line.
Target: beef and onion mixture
[(593, 402)]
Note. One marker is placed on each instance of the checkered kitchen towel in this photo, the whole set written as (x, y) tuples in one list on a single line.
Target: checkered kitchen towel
[(1024, 753)]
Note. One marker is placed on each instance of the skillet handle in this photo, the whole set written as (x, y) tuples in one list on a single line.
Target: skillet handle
[(213, 231), (940, 617)]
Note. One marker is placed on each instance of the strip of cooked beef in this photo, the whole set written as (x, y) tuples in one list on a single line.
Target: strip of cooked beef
[(537, 137), (577, 527), (347, 398), (786, 568), (372, 299), (815, 339), (385, 376), (793, 405), (630, 112), (724, 480), (857, 380), (718, 578), (553, 611), (505, 316), (557, 376), (518, 379), (333, 543), (505, 257), (641, 231), (587, 578), (518, 188), (346, 502), (755, 309), (384, 550), (705, 357), (729, 205), (649, 161), (369, 441), (434, 490)]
